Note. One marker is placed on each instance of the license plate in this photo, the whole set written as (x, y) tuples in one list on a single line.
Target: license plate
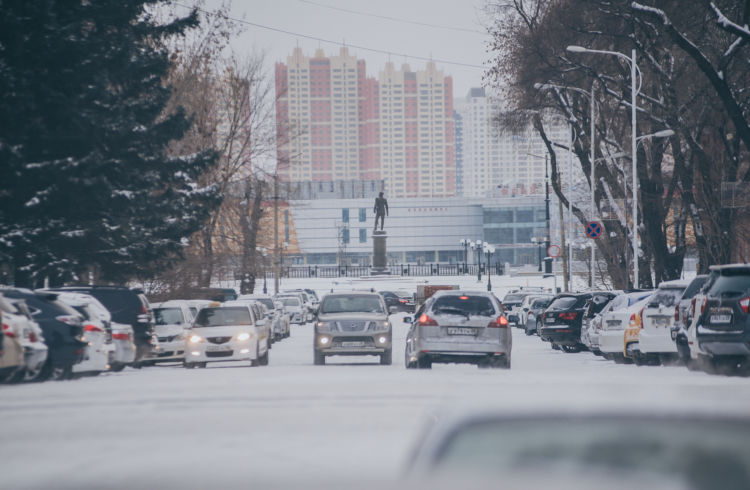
[(461, 331), (661, 322), (720, 319), (353, 344), (550, 319), (218, 348)]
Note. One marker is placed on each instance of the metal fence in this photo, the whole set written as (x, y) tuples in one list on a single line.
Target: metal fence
[(405, 270)]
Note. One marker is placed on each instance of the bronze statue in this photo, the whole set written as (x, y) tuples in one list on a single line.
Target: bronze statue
[(380, 210)]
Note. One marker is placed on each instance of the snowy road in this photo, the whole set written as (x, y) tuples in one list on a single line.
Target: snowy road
[(292, 421)]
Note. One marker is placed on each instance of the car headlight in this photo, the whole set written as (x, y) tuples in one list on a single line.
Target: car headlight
[(326, 326), (244, 336), (195, 339), (380, 326)]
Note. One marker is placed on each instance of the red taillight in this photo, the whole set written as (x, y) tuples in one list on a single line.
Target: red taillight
[(32, 337), (499, 322), (677, 313), (8, 331), (427, 321), (745, 305), (403, 301), (69, 319), (144, 310), (703, 306), (92, 328), (570, 315), (692, 307), (120, 336)]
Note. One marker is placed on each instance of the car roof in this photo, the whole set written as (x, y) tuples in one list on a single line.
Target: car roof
[(733, 267), (459, 292)]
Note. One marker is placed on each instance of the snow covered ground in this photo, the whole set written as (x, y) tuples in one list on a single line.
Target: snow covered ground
[(293, 424)]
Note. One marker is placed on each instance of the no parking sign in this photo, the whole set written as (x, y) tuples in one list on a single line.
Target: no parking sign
[(594, 229)]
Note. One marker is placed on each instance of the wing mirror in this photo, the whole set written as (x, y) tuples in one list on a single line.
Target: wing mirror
[(407, 319)]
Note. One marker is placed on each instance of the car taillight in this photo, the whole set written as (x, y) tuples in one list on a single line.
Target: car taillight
[(703, 306), (745, 304), (8, 331), (570, 315), (427, 321), (677, 313), (635, 320), (144, 310), (499, 322), (69, 319), (92, 328), (32, 337), (692, 307), (403, 301), (120, 336)]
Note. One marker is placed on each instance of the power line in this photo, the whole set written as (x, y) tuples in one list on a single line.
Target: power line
[(394, 19), (319, 39)]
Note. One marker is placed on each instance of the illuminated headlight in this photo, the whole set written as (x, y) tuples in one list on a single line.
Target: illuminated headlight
[(382, 339), (380, 326), (324, 340), (325, 326), (243, 336), (244, 351), (196, 353), (195, 339)]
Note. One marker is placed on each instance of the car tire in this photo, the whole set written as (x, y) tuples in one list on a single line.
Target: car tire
[(555, 346), (263, 361), (386, 358), (539, 327), (116, 367), (318, 358), (424, 362), (528, 331), (188, 365), (201, 365)]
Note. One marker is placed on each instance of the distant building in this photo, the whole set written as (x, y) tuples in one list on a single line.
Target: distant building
[(458, 144)]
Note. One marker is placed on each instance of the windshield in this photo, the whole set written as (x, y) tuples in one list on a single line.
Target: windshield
[(168, 316), (464, 305), (226, 316), (267, 302), (290, 301), (352, 304), (665, 297)]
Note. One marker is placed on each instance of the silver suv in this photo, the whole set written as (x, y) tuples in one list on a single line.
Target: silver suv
[(352, 324)]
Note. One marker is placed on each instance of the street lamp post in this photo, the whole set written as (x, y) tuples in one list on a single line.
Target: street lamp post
[(478, 245), (538, 243), (489, 250), (464, 242)]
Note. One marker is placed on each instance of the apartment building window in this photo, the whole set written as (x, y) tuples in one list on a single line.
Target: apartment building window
[(363, 235), (362, 215), (345, 215), (345, 235)]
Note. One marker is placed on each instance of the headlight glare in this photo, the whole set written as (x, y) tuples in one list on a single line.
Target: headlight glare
[(243, 336), (195, 339)]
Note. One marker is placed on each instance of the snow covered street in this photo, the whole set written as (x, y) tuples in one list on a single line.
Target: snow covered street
[(293, 422)]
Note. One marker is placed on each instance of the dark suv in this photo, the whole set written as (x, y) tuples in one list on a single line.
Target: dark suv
[(128, 306), (562, 320), (401, 300), (723, 328), (62, 329)]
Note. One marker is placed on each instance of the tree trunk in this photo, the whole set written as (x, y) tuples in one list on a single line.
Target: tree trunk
[(250, 218)]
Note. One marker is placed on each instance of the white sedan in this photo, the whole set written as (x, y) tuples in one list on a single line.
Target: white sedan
[(226, 333)]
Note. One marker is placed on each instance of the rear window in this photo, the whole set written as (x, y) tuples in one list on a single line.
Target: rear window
[(665, 297), (124, 306), (563, 303), (168, 316), (230, 315), (694, 287), (732, 284), (513, 298), (290, 301), (464, 305)]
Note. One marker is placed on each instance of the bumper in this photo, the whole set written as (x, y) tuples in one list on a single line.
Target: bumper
[(656, 341), (35, 356), (561, 334), (66, 355), (481, 349), (169, 351), (123, 353), (95, 359), (462, 357), (353, 345), (612, 341), (243, 353), (594, 340), (724, 344)]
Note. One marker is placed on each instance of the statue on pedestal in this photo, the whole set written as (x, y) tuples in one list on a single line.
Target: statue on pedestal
[(380, 210)]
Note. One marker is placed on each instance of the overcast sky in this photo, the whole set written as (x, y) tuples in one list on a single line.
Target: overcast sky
[(464, 43)]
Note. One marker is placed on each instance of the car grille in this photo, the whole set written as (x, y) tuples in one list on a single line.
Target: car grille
[(352, 326), (168, 338), (226, 353), (219, 340)]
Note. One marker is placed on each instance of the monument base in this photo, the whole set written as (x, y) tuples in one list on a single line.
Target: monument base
[(379, 254)]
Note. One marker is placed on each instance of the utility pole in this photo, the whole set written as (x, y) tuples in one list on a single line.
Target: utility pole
[(547, 260), (276, 233)]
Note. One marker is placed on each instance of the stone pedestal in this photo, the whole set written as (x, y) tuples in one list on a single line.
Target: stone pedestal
[(379, 254)]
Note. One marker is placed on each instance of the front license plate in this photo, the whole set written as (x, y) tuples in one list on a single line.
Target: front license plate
[(217, 348), (720, 319), (461, 331), (353, 344)]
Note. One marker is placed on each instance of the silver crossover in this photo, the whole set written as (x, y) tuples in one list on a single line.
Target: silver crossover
[(459, 327), (352, 324)]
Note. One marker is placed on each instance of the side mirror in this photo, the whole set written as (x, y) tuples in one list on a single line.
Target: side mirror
[(407, 319), (393, 309), (260, 323)]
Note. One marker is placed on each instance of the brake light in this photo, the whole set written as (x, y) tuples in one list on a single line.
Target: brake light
[(677, 313), (570, 315), (463, 297), (403, 301), (745, 304), (92, 328), (120, 336), (144, 310), (703, 306), (692, 307), (32, 337), (635, 320), (7, 330), (499, 322), (427, 321)]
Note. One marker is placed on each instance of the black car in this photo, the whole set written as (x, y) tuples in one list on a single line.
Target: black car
[(402, 300), (723, 328), (562, 320), (62, 329), (128, 306)]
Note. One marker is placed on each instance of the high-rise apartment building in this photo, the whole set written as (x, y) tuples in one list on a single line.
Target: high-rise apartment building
[(497, 162), (335, 123)]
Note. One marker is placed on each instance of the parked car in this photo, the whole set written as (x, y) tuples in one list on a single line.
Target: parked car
[(97, 334), (11, 349), (62, 328), (276, 316), (172, 319), (128, 306), (679, 327), (589, 331), (723, 321), (352, 324), (563, 319), (226, 333), (529, 310), (294, 307), (615, 317), (459, 327), (31, 336), (512, 303), (400, 299), (123, 341), (653, 343)]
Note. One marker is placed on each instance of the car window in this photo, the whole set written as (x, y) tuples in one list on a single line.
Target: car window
[(8, 307), (513, 298), (694, 287), (464, 305), (229, 315), (541, 303), (123, 305), (351, 304), (730, 283), (267, 302), (665, 297), (563, 303), (168, 316), (290, 301)]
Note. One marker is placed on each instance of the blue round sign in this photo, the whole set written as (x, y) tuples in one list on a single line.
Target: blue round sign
[(594, 229)]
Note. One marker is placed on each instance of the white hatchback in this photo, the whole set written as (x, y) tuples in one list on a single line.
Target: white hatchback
[(658, 316), (226, 333), (615, 318)]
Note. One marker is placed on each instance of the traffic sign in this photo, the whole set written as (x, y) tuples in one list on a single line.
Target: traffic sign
[(594, 229), (553, 251)]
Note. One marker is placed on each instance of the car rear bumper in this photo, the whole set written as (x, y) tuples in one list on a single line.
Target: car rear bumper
[(612, 341), (656, 341), (462, 348), (461, 357), (561, 334)]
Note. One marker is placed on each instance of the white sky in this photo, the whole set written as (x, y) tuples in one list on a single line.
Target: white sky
[(313, 18)]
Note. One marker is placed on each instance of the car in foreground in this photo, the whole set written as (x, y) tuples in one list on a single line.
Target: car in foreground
[(584, 449), (18, 323), (226, 333), (467, 327), (352, 324)]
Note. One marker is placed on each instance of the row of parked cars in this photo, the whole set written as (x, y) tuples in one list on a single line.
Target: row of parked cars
[(703, 323), (86, 330)]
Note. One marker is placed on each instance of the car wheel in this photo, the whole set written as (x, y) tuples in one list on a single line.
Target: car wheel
[(539, 327), (386, 358), (263, 361), (201, 365), (117, 367), (424, 362), (528, 331), (318, 358), (62, 373), (188, 365), (256, 361)]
